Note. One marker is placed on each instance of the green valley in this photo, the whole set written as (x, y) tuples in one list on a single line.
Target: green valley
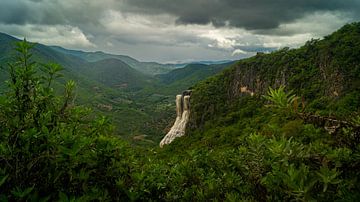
[(139, 103)]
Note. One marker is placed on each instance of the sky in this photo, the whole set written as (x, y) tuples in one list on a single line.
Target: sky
[(176, 30)]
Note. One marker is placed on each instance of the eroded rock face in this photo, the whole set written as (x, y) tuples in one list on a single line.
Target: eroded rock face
[(182, 118)]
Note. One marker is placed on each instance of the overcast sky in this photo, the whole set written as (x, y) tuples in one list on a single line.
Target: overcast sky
[(175, 30)]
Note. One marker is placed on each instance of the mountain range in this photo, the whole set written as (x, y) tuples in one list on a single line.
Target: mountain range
[(149, 68)]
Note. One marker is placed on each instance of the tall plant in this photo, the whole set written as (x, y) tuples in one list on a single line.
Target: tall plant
[(281, 99)]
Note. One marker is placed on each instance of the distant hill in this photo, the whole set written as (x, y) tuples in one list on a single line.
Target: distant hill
[(43, 54), (83, 67), (115, 73), (204, 62), (6, 42), (5, 50), (150, 68), (181, 79), (192, 72)]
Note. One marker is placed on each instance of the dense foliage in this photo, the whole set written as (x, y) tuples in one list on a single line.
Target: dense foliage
[(47, 145), (291, 147), (278, 145)]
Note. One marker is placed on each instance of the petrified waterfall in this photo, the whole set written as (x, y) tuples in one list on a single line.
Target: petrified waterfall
[(182, 118)]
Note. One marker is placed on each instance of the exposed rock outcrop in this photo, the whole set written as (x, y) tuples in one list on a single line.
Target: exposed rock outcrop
[(182, 118)]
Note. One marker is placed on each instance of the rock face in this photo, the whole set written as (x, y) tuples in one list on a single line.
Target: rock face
[(182, 118)]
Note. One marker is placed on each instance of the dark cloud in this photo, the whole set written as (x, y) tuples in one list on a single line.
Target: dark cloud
[(249, 14), (165, 30), (51, 12), (13, 13)]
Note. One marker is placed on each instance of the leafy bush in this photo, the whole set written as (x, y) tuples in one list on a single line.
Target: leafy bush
[(282, 100)]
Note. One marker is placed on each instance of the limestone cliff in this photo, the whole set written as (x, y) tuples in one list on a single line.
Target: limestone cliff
[(182, 118)]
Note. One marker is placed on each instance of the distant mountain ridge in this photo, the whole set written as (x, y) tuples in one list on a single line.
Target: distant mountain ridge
[(197, 71), (149, 68), (116, 74)]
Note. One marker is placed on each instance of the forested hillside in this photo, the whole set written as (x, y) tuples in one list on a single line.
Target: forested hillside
[(324, 73), (282, 126)]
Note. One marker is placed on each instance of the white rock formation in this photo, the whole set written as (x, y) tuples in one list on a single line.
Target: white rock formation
[(182, 118)]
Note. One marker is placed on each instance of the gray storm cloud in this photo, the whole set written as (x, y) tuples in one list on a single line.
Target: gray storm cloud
[(248, 14), (176, 29)]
